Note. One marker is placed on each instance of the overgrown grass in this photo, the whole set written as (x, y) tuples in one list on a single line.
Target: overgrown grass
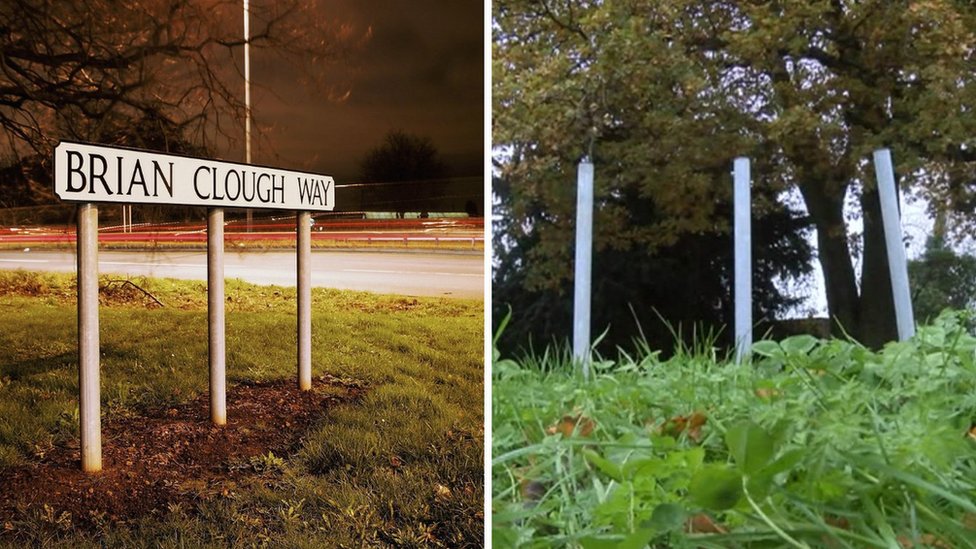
[(421, 358), (813, 444)]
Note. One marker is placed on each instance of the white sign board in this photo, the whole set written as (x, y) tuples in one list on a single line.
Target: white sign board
[(97, 173)]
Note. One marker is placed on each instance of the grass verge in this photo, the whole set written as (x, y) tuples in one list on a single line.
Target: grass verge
[(401, 467), (815, 443)]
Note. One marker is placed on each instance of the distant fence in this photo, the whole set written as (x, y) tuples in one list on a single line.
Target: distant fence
[(462, 195), (455, 233), (454, 194)]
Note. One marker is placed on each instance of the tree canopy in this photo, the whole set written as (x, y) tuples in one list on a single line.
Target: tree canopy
[(941, 279), (687, 283), (667, 92)]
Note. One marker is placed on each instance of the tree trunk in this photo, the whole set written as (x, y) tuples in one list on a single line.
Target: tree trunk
[(827, 212), (877, 306)]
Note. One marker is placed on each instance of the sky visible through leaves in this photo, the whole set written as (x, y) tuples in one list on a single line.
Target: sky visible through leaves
[(916, 227)]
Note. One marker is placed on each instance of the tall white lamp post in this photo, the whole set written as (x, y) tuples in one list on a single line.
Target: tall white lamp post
[(247, 97)]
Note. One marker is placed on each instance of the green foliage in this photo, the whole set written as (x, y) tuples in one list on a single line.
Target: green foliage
[(633, 286), (662, 230), (267, 463), (941, 279), (665, 93), (750, 446), (814, 443), (716, 487)]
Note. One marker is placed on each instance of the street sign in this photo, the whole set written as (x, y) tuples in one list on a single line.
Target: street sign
[(97, 173), (89, 174)]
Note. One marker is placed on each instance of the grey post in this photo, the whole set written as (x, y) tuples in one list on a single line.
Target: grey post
[(583, 265), (897, 264), (247, 99), (304, 220), (215, 315), (89, 404), (743, 258)]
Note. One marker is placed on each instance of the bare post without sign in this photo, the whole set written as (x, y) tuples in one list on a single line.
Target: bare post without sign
[(90, 174)]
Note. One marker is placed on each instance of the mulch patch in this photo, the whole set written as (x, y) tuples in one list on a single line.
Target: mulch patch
[(169, 455)]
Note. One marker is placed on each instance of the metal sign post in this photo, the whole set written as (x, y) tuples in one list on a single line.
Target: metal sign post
[(88, 173), (215, 316), (583, 265), (743, 258), (897, 264), (304, 229), (89, 403)]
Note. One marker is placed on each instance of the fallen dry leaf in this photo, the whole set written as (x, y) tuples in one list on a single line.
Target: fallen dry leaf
[(691, 424), (442, 492), (838, 522), (703, 524), (570, 425)]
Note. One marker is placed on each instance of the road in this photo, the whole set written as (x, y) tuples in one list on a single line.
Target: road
[(455, 231), (416, 274)]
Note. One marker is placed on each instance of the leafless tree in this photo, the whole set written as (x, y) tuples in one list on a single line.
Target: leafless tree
[(118, 71), (402, 157)]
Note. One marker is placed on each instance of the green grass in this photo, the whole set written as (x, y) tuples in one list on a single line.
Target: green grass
[(421, 358), (813, 444)]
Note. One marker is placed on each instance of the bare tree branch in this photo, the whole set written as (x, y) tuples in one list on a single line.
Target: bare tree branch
[(95, 69)]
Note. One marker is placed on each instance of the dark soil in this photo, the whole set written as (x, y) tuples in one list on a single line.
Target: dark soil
[(170, 455)]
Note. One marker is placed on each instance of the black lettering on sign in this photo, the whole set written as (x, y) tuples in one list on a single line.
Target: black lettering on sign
[(196, 186), (72, 169), (92, 176), (237, 177), (158, 174), (277, 187), (141, 180), (118, 174), (253, 192), (264, 197), (313, 191)]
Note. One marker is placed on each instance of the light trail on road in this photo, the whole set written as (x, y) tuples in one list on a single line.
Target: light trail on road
[(414, 274)]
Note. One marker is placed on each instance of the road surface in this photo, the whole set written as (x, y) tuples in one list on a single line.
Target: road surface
[(416, 274)]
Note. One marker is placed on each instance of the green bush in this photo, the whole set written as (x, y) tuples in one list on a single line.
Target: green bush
[(941, 279)]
